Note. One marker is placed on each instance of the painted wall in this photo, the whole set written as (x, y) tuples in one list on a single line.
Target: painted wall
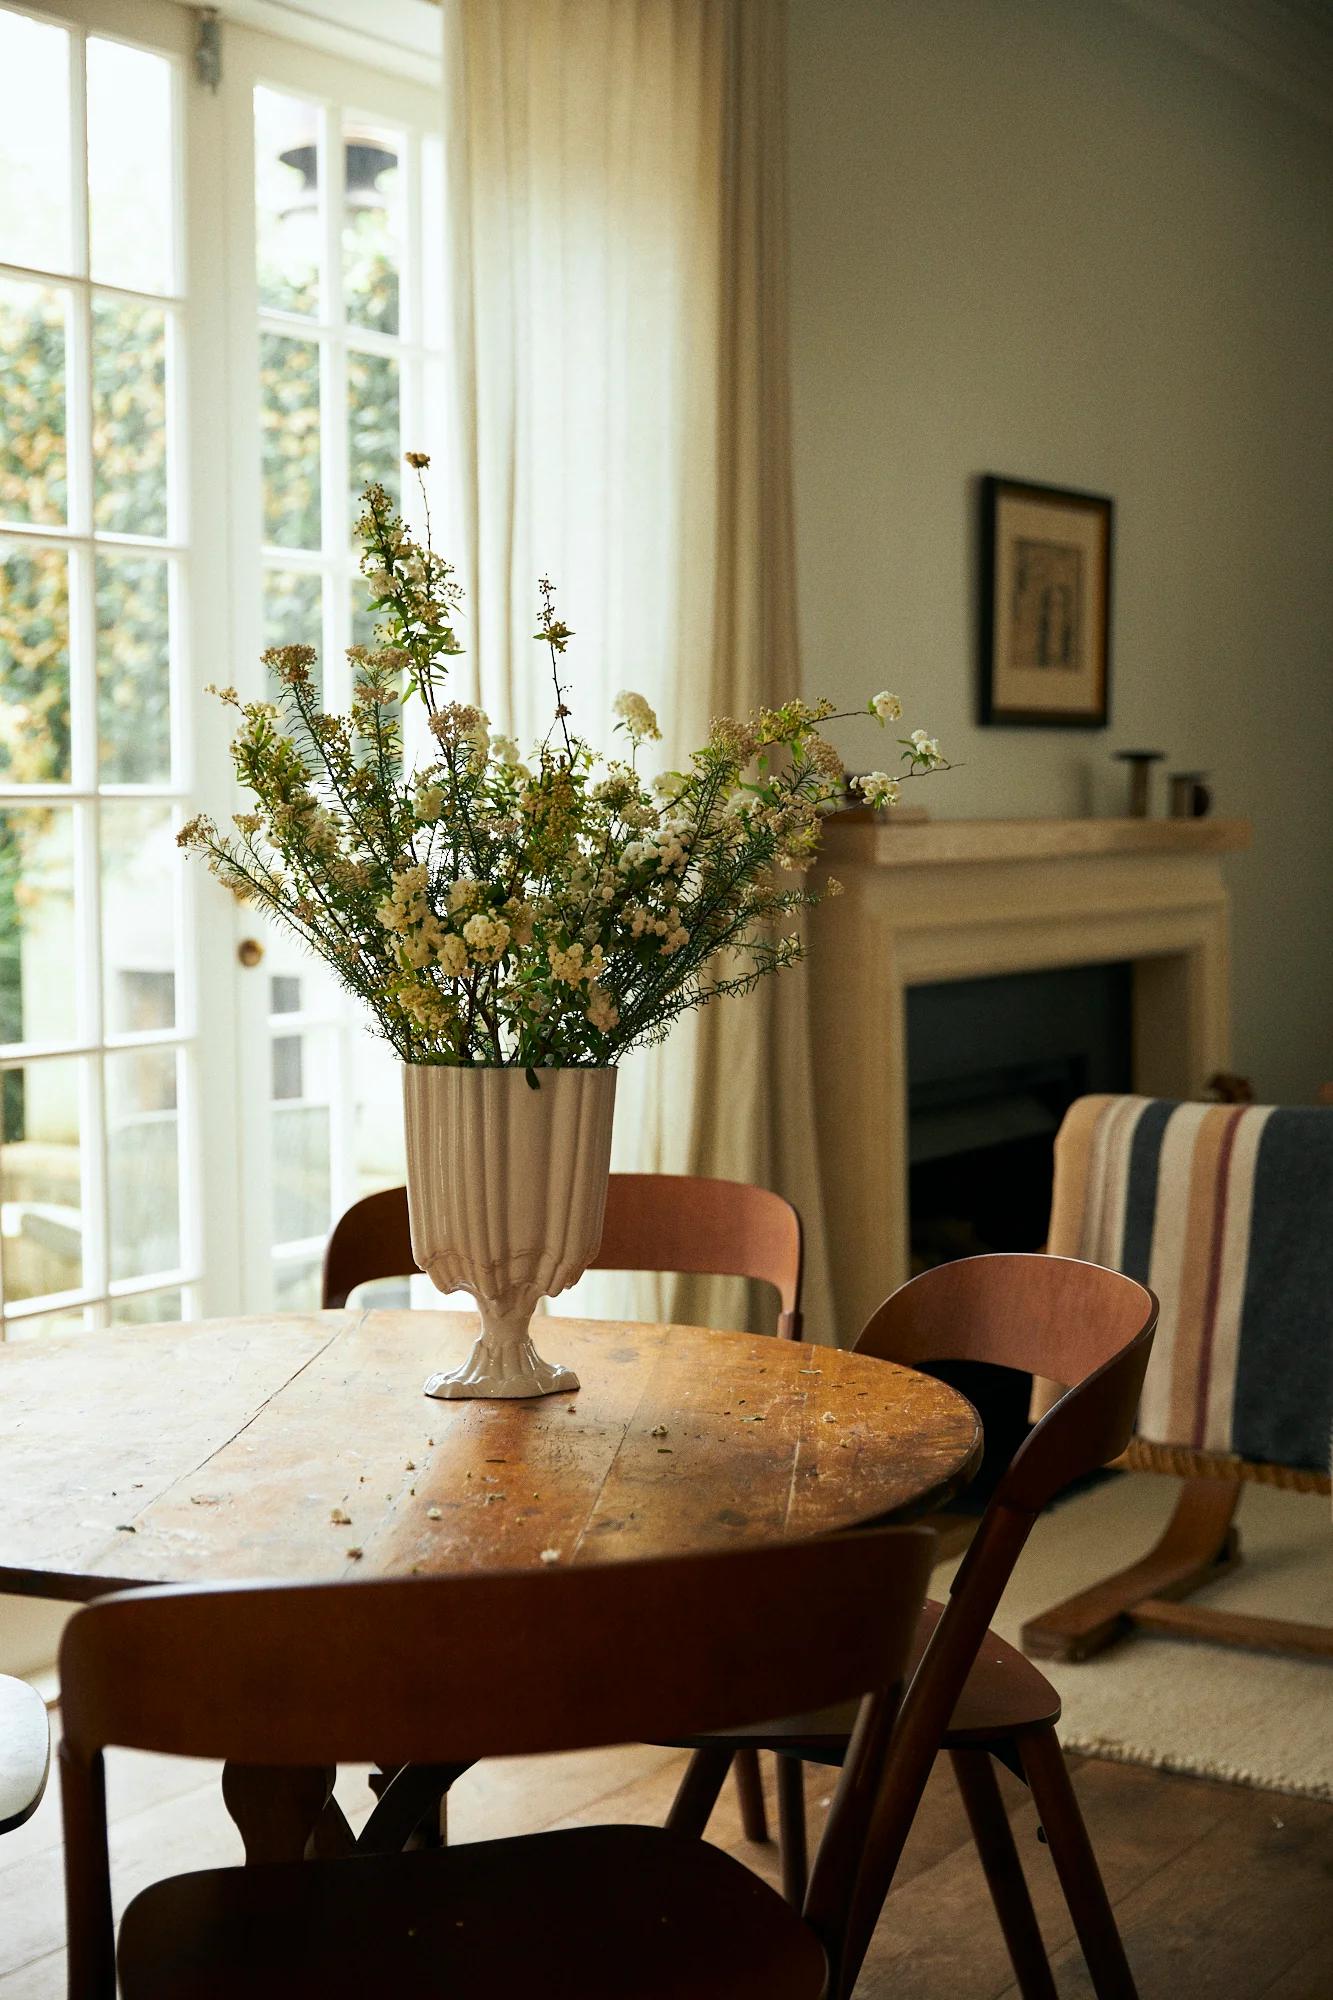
[(1043, 239)]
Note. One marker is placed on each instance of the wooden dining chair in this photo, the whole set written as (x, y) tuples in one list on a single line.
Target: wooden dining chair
[(25, 1752), (972, 1694), (455, 1668), (654, 1222)]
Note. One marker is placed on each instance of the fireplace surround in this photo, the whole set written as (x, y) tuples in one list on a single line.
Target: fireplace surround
[(926, 904)]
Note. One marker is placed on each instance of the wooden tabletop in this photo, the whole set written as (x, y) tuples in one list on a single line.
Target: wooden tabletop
[(301, 1446)]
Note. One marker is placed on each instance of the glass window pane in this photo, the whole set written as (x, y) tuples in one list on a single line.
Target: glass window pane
[(380, 1160), (288, 224), (41, 1200), (296, 1284), (130, 167), (390, 1295), (373, 450), (139, 864), (129, 418), (38, 981), (289, 419), (38, 1326), (133, 680), (293, 608), (294, 614), (34, 143), (143, 1177), (148, 1308), (432, 273), (302, 1083), (34, 666), (363, 617), (34, 484), (298, 983), (372, 225)]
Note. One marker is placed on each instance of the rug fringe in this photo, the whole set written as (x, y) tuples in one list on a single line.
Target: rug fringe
[(1116, 1752)]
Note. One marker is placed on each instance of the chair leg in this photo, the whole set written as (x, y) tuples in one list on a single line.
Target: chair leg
[(413, 1808), (276, 1810), (1076, 1865), (791, 1829), (696, 1795), (750, 1792), (994, 1839)]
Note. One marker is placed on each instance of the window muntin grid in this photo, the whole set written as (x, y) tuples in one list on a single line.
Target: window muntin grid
[(348, 345), (98, 1192)]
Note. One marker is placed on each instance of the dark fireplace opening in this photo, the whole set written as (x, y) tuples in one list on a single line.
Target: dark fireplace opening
[(993, 1065)]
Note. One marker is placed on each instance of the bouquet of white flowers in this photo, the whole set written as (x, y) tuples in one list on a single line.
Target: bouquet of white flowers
[(493, 909)]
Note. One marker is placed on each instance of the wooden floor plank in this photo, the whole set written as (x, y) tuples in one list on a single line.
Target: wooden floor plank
[(939, 1937), (1245, 1903), (525, 1795), (135, 1783), (1308, 1979)]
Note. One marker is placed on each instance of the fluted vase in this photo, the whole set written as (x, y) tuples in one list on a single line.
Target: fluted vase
[(506, 1190)]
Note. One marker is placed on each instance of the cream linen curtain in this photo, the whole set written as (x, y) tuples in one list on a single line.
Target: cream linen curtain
[(617, 193)]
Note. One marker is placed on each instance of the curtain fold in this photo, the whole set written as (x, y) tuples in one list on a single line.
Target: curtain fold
[(618, 234)]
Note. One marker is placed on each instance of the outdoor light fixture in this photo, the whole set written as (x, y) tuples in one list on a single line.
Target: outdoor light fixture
[(365, 158)]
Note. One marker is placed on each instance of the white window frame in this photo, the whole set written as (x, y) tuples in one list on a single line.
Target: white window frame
[(222, 1025), (382, 99), (162, 29)]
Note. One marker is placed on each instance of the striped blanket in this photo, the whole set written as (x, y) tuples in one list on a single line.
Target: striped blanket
[(1227, 1212)]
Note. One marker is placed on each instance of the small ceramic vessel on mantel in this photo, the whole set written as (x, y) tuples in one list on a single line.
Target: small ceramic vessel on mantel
[(506, 1190)]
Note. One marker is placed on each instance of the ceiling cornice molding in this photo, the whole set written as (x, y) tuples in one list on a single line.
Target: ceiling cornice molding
[(1282, 47), (402, 36)]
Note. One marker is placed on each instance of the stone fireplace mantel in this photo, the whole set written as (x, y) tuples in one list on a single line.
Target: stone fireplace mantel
[(930, 901), (876, 839)]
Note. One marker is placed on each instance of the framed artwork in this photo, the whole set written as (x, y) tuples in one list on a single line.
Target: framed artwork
[(1045, 605)]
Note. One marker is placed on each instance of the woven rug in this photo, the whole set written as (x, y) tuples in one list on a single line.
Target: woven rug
[(1180, 1705)]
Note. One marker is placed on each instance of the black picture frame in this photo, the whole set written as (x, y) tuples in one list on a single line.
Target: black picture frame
[(1033, 652)]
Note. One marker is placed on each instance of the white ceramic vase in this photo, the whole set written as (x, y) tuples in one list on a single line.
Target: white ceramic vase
[(506, 1188)]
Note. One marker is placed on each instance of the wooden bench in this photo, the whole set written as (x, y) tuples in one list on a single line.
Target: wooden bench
[(1226, 1211)]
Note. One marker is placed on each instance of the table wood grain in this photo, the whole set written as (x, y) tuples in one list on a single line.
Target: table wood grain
[(300, 1446)]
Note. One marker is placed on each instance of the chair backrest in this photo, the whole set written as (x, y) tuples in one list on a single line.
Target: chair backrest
[(450, 1669), (654, 1222), (1087, 1328), (1084, 1326), (720, 1229), (372, 1239)]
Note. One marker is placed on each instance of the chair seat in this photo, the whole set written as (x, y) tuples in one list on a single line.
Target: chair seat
[(597, 1913), (1004, 1695), (25, 1752)]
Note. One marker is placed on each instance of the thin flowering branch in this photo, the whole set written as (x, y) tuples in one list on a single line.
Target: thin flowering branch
[(557, 636), (486, 908)]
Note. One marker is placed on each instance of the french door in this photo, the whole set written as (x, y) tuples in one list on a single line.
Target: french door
[(215, 325), (337, 318)]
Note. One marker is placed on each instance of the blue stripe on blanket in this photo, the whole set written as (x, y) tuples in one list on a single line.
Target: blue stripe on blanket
[(1284, 1374), (1145, 1153)]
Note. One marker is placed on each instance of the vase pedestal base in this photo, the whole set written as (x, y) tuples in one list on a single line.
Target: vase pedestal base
[(504, 1366), (507, 1172)]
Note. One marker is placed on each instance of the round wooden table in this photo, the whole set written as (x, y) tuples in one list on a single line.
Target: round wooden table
[(300, 1446)]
